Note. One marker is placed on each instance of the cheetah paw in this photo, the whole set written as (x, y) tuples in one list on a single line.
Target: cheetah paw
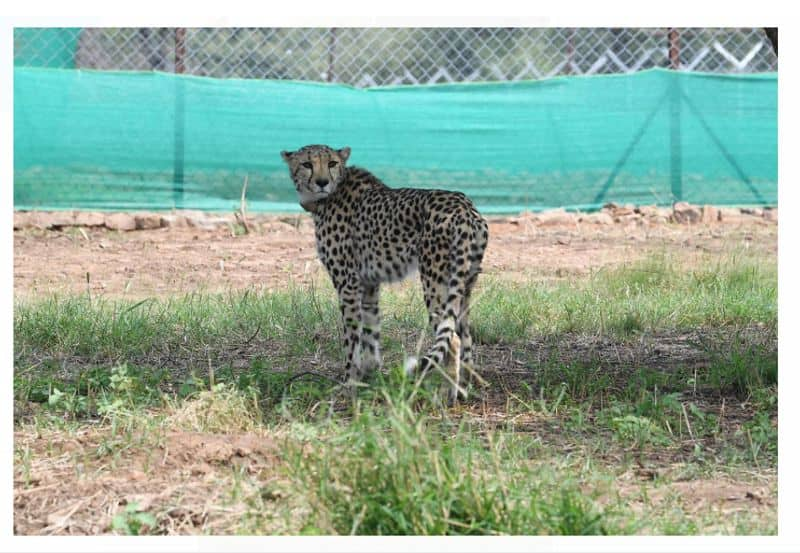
[(410, 365)]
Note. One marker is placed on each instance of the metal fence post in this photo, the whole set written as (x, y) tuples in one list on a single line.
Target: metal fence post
[(331, 53), (180, 108), (676, 154)]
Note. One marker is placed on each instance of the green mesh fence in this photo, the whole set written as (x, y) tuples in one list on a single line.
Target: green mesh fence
[(115, 140), (45, 47)]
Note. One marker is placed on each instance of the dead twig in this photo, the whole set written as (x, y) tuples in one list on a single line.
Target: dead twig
[(311, 373), (688, 424), (28, 491), (88, 288), (210, 372), (250, 339), (241, 215)]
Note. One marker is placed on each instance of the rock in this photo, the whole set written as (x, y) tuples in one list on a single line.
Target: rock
[(22, 220), (710, 214), (628, 218), (173, 220), (770, 213), (89, 219), (648, 210), (202, 220), (193, 218), (147, 221), (50, 219), (685, 213), (555, 217), (654, 215), (58, 219), (598, 218), (752, 211), (616, 210), (120, 221), (729, 214), (657, 219), (623, 211)]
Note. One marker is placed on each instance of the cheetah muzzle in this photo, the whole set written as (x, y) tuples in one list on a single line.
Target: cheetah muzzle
[(368, 234)]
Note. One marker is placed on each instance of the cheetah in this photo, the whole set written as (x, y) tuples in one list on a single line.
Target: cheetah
[(368, 234)]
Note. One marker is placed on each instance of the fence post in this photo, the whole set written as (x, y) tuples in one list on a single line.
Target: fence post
[(331, 53), (177, 171), (676, 159), (570, 51)]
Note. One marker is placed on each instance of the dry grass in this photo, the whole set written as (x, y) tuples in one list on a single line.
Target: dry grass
[(219, 410)]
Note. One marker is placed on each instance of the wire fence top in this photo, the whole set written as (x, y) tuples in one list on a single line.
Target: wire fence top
[(365, 57)]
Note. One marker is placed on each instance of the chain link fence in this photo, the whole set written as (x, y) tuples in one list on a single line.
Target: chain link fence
[(365, 57), (129, 139)]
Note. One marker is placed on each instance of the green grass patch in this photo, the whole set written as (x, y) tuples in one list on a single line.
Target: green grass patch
[(101, 328), (744, 368), (648, 296), (393, 470), (655, 294)]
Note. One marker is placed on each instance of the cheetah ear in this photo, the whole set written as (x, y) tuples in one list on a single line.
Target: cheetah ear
[(344, 153), (286, 155)]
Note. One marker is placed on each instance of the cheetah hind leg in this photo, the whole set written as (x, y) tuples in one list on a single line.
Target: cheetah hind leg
[(452, 370)]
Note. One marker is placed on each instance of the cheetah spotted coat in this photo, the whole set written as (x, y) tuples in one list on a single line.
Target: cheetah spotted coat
[(368, 234)]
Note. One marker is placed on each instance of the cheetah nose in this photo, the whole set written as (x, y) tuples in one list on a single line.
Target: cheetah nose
[(322, 183)]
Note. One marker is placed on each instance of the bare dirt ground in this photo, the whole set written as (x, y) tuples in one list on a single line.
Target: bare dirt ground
[(281, 251), (186, 470)]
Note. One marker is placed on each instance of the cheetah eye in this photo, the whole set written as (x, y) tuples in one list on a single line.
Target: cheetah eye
[(333, 164), (307, 165)]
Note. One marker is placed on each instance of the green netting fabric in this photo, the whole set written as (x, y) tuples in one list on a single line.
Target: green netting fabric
[(115, 140)]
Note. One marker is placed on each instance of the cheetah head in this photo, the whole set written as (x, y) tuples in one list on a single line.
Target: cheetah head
[(316, 171)]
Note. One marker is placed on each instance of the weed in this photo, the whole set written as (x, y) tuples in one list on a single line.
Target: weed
[(71, 403), (744, 369), (132, 521), (119, 399), (638, 431), (761, 434)]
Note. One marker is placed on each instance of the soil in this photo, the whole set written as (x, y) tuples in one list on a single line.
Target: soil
[(183, 479), (281, 251)]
